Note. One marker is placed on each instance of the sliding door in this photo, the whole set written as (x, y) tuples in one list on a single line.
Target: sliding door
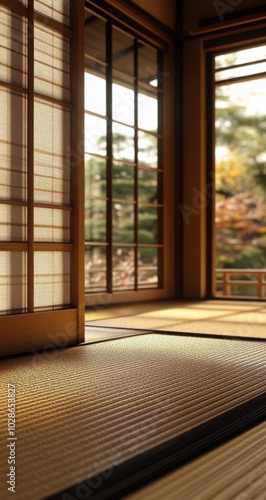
[(128, 159), (41, 167)]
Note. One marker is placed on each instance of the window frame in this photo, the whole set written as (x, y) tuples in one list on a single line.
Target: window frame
[(196, 209), (248, 37), (161, 41)]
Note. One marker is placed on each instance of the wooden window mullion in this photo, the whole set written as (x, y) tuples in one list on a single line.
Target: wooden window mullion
[(136, 168), (160, 166), (109, 101), (30, 156)]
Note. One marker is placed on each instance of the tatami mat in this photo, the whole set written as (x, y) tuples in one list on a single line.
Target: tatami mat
[(221, 327), (86, 409), (98, 334), (235, 470), (215, 317), (136, 322)]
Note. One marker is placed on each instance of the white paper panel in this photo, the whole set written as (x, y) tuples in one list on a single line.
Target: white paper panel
[(51, 280), (13, 135), (59, 10), (51, 225), (52, 63), (51, 183), (13, 223), (13, 47), (52, 151), (13, 282)]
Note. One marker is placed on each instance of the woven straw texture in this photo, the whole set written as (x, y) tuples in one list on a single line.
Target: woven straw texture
[(231, 319), (98, 333), (82, 410), (236, 470)]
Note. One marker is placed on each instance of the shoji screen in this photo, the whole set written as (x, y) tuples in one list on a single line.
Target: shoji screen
[(41, 174)]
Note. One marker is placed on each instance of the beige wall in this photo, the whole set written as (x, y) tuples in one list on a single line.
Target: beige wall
[(164, 10), (195, 10)]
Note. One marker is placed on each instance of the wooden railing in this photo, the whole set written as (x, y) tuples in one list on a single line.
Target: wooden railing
[(225, 284)]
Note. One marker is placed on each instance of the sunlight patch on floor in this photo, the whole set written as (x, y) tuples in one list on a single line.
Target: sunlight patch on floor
[(232, 318)]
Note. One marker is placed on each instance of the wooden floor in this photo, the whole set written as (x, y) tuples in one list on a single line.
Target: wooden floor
[(245, 319)]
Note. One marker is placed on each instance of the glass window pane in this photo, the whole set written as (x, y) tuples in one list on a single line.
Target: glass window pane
[(51, 63), (94, 67), (123, 181), (148, 224), (147, 149), (13, 282), (123, 222), (246, 98), (123, 142), (240, 208), (51, 225), (147, 112), (95, 36), (95, 268), (13, 142), (131, 148), (123, 52), (95, 176), (241, 56), (13, 223), (51, 280), (123, 268), (59, 10), (148, 186), (95, 94), (95, 220), (13, 47), (123, 104), (148, 65), (147, 267), (95, 135), (253, 69), (123, 79)]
